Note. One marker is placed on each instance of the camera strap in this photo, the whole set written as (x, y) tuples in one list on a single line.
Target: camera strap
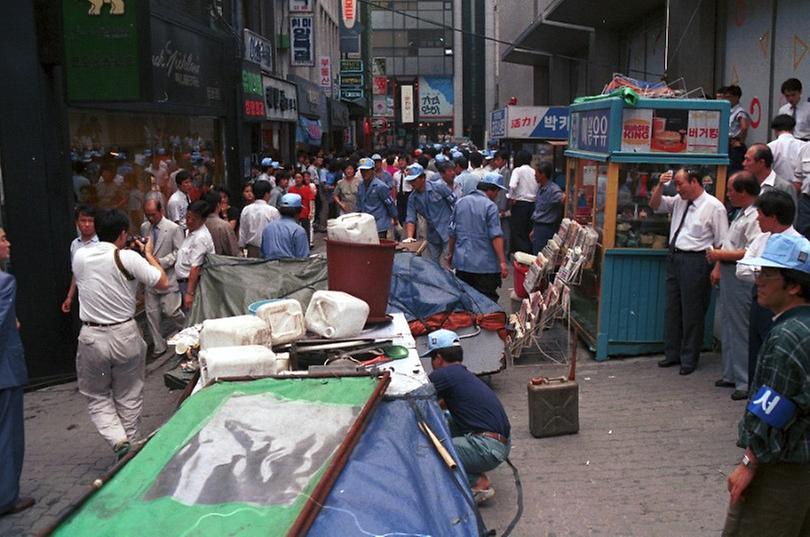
[(120, 265)]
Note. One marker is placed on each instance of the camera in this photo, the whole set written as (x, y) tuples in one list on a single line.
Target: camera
[(132, 239)]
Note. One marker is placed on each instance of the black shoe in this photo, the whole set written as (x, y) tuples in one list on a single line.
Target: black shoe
[(739, 395), (687, 370), (668, 363), (723, 384)]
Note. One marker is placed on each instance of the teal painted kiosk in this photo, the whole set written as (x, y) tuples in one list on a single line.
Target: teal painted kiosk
[(616, 153)]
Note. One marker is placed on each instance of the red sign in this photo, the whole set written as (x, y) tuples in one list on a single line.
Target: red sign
[(254, 108), (380, 85), (349, 9)]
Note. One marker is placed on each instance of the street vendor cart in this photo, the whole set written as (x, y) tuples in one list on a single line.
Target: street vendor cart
[(617, 150)]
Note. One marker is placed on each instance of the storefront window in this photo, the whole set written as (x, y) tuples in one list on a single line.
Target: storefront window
[(118, 158)]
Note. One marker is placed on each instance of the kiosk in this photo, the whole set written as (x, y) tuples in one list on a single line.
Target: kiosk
[(616, 153)]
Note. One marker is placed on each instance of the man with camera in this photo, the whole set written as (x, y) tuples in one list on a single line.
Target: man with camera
[(111, 357)]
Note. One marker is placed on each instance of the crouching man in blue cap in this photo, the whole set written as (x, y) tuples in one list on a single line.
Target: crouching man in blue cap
[(478, 422), (285, 238), (769, 487)]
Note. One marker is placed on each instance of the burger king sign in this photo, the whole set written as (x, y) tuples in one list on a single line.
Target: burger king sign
[(636, 130)]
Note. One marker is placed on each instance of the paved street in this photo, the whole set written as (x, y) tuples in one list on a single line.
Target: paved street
[(650, 458)]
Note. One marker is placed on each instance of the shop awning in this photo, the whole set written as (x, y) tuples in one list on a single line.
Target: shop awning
[(545, 38), (600, 14)]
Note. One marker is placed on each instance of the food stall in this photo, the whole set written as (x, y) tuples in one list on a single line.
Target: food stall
[(540, 130), (616, 153)]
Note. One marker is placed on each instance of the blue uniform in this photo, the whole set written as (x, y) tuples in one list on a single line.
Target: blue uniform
[(435, 204), (467, 182), (284, 239), (547, 215), (13, 376), (375, 199), (474, 224)]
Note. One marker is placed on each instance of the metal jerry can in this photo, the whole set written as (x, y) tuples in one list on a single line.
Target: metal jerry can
[(553, 406)]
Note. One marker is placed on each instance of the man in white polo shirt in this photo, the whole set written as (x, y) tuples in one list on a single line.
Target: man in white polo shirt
[(111, 357), (192, 252)]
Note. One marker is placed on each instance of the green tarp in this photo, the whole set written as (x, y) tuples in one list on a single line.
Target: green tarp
[(238, 458), (228, 285)]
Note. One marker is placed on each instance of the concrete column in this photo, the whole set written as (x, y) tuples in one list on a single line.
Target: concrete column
[(458, 68)]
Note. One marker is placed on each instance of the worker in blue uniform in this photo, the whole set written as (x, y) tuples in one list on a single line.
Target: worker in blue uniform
[(434, 201), (476, 240), (285, 238), (374, 198)]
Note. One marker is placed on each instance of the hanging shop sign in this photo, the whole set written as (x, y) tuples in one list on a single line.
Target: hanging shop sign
[(380, 85), (351, 80), (186, 66), (258, 50), (351, 66), (325, 74), (435, 97), (280, 99), (351, 94), (497, 123), (349, 29), (301, 6), (406, 103), (302, 40), (348, 12), (253, 106), (530, 122), (110, 38)]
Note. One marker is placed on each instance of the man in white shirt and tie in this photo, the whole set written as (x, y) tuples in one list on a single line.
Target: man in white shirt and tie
[(254, 218), (166, 238), (191, 254), (796, 107), (179, 201), (759, 161), (786, 149), (699, 222)]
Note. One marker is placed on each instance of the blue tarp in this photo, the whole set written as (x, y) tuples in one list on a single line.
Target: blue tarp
[(420, 288), (395, 483)]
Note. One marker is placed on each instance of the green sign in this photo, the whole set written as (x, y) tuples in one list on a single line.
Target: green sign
[(351, 80), (103, 49), (252, 82), (351, 66)]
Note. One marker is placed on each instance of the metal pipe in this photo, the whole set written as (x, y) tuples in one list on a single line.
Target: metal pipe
[(666, 43)]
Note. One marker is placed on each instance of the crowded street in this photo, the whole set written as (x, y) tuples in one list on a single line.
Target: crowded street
[(452, 268)]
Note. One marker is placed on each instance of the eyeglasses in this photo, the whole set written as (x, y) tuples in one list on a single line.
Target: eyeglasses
[(765, 276)]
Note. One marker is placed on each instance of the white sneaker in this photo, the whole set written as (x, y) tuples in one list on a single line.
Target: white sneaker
[(482, 495)]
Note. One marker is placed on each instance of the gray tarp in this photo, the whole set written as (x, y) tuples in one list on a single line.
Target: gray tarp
[(228, 285)]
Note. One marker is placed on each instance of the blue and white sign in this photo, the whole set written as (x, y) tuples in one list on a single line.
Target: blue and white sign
[(530, 122), (435, 97), (590, 130), (771, 407)]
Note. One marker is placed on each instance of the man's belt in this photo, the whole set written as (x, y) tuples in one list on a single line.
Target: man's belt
[(182, 280), (495, 436), (101, 325), (693, 252)]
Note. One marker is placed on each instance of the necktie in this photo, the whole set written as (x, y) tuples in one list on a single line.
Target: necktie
[(680, 226), (154, 235), (793, 110)]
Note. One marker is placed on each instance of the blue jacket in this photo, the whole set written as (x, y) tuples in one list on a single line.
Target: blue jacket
[(13, 372), (475, 223), (435, 204), (284, 239), (375, 199)]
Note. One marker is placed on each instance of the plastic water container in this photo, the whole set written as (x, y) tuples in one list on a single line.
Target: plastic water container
[(234, 332), (335, 314), (245, 361), (285, 319), (359, 228)]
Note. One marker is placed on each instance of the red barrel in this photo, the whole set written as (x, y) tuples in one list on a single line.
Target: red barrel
[(363, 271), (520, 275)]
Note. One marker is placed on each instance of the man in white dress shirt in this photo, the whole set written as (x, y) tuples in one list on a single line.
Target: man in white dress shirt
[(699, 222), (166, 237), (111, 356), (796, 107), (178, 202), (786, 150), (192, 252), (254, 217), (85, 223), (759, 161)]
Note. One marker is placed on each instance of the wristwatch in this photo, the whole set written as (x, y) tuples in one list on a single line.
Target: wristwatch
[(748, 463)]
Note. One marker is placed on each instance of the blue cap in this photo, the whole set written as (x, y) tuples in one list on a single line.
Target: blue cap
[(492, 178), (441, 158), (488, 154), (365, 164), (456, 154), (290, 200), (414, 172), (267, 161), (376, 156), (441, 339), (276, 165), (783, 251)]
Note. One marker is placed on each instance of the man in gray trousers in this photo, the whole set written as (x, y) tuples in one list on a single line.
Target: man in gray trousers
[(699, 222)]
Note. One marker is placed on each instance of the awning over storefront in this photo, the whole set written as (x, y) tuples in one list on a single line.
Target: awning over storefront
[(598, 13), (545, 38)]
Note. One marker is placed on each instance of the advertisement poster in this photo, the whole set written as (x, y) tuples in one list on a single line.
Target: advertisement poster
[(669, 130), (302, 46), (380, 86), (703, 134), (589, 130), (636, 130), (325, 74), (407, 104), (383, 106), (435, 97)]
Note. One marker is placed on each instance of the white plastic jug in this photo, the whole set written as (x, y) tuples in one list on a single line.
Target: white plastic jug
[(360, 228), (234, 332), (245, 361), (335, 314), (285, 318)]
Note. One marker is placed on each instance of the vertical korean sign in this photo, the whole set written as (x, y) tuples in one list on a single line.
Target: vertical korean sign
[(325, 74), (590, 130), (300, 6), (302, 47), (407, 103)]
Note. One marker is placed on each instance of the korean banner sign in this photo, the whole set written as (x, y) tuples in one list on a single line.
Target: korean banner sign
[(302, 46)]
